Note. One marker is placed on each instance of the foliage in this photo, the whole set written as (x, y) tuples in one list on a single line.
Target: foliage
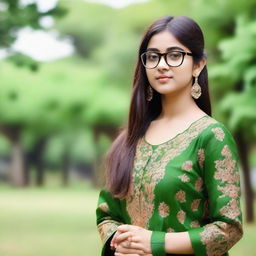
[(14, 17), (239, 61)]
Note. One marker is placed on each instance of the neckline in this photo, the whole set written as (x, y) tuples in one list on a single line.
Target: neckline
[(155, 145)]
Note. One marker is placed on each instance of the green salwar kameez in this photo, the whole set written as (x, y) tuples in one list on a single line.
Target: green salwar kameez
[(188, 183)]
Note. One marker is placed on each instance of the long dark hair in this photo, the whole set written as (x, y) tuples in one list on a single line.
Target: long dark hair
[(118, 161)]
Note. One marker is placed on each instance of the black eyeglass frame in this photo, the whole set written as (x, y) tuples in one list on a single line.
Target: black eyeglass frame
[(165, 57)]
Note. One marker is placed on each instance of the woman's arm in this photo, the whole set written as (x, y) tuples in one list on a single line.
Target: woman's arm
[(178, 243)]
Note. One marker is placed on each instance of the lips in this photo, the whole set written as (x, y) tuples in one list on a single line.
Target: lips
[(163, 76)]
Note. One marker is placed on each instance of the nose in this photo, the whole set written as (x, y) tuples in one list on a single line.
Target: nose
[(162, 63)]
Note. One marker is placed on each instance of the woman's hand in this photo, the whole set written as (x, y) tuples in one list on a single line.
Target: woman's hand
[(132, 240)]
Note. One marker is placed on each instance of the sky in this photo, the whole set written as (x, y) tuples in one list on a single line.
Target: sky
[(46, 46), (117, 3)]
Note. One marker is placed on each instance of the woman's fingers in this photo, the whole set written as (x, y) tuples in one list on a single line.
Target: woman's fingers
[(124, 228), (131, 245), (121, 254), (123, 236), (113, 241), (130, 251)]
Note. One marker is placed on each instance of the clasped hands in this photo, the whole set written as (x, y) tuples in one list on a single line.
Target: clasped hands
[(130, 240)]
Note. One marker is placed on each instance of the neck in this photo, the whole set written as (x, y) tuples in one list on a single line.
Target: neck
[(178, 105)]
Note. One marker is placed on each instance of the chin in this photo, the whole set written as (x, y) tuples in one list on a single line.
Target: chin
[(165, 89)]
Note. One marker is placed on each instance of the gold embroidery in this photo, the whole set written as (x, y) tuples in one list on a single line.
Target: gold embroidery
[(181, 196), (149, 169), (218, 133), (199, 184), (104, 207), (226, 169), (187, 166), (106, 228), (194, 224), (219, 237), (200, 157), (195, 204), (227, 172), (231, 210), (169, 230), (181, 215), (163, 209), (230, 190), (184, 178)]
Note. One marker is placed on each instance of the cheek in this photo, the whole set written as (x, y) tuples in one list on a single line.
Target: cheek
[(184, 73), (150, 75)]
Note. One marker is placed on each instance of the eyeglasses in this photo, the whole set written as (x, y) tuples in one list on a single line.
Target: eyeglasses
[(151, 59)]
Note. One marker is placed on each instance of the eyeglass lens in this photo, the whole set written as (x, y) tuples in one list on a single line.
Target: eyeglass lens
[(151, 59)]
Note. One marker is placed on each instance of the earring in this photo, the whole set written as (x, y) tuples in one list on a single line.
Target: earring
[(149, 93), (196, 89)]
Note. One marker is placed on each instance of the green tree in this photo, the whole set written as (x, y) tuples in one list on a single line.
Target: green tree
[(14, 17), (239, 59)]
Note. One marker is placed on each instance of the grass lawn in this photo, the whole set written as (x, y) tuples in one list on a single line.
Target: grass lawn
[(48, 222), (61, 222)]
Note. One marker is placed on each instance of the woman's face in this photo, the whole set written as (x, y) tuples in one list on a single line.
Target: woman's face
[(180, 78)]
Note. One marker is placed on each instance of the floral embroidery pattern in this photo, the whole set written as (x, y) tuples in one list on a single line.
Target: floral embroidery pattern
[(231, 210), (163, 209), (181, 196), (194, 224), (226, 169), (219, 237), (200, 157), (187, 166), (184, 178), (199, 184), (106, 228), (169, 230), (230, 190), (181, 215), (104, 207), (195, 204), (227, 172), (140, 198), (218, 133)]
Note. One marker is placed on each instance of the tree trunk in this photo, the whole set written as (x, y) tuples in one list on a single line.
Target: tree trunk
[(38, 161), (27, 170), (17, 164), (249, 195), (65, 169)]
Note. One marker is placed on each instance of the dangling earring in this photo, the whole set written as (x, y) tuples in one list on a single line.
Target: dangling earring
[(149, 93), (196, 89)]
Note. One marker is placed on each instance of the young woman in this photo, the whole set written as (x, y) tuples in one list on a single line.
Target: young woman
[(173, 184)]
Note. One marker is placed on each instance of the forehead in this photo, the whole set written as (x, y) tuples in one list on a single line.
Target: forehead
[(164, 40)]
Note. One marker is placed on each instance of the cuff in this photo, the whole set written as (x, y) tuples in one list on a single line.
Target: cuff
[(158, 243)]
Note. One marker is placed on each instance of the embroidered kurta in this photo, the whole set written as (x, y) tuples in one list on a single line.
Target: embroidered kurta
[(188, 183)]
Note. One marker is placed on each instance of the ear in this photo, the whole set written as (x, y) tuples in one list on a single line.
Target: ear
[(198, 67)]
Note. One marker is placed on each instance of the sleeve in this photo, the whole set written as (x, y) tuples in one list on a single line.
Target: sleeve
[(221, 179), (108, 218)]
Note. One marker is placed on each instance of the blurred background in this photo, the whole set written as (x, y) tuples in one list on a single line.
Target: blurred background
[(66, 71)]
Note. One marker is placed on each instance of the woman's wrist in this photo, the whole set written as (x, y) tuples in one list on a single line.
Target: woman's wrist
[(157, 243)]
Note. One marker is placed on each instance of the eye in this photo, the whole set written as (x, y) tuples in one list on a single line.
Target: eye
[(174, 55), (151, 56)]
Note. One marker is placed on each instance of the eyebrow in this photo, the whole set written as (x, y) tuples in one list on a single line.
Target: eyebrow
[(168, 49)]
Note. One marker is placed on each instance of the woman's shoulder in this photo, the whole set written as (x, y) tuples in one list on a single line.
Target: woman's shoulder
[(215, 129)]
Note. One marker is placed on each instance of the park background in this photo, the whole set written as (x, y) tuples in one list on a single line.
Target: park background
[(66, 72)]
